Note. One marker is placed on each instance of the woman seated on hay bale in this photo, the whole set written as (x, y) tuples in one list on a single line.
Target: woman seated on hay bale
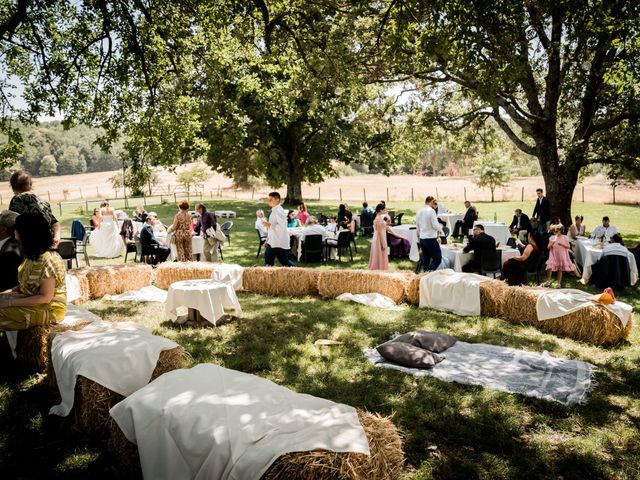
[(514, 270), (41, 295)]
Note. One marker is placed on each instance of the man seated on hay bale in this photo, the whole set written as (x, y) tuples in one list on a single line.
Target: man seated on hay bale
[(150, 242), (41, 295), (481, 244), (278, 245), (10, 251)]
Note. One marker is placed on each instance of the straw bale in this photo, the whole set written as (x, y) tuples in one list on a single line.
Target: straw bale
[(413, 289), (114, 279), (281, 281), (84, 286), (132, 277), (492, 297), (384, 463), (336, 282), (93, 401), (170, 272), (594, 324), (31, 348)]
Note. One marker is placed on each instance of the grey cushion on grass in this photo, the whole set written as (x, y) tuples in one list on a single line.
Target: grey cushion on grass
[(433, 341), (409, 355)]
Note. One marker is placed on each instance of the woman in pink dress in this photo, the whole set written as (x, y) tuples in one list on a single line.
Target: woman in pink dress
[(303, 215), (378, 259), (559, 260)]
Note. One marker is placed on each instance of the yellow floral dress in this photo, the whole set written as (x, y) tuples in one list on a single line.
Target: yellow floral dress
[(31, 273)]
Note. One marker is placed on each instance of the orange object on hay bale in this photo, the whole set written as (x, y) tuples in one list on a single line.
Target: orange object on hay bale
[(92, 401), (170, 272), (115, 279), (385, 462), (593, 324), (332, 283), (281, 281)]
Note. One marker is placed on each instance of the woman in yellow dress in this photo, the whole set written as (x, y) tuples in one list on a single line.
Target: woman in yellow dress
[(41, 295)]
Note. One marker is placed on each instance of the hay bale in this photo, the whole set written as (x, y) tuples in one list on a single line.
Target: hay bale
[(413, 289), (492, 297), (594, 324), (31, 348), (336, 282), (170, 272), (281, 281), (84, 286), (115, 279), (384, 463), (92, 401)]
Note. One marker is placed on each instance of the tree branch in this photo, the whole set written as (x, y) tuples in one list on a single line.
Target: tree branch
[(522, 145), (19, 16)]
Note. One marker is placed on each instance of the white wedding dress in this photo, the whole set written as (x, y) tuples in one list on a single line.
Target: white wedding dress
[(106, 240)]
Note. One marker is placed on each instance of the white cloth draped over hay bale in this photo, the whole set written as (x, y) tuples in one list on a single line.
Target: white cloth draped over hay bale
[(281, 281), (169, 272), (593, 324), (228, 273), (212, 422), (80, 277), (451, 291), (332, 283), (145, 294), (103, 363), (115, 279), (376, 300)]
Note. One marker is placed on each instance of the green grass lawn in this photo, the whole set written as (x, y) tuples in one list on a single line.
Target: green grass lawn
[(451, 430)]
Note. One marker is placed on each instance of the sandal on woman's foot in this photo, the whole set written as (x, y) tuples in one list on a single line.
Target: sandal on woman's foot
[(546, 284)]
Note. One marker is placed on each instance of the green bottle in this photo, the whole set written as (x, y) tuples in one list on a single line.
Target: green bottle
[(495, 217)]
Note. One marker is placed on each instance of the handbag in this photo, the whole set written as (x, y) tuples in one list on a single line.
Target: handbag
[(218, 234)]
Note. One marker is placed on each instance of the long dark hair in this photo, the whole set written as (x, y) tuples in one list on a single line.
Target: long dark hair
[(35, 235), (380, 207), (127, 229)]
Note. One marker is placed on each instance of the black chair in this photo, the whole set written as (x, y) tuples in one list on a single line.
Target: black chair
[(226, 228), (397, 220), (611, 271), (67, 250), (323, 219), (352, 238), (491, 263), (261, 242), (533, 265), (313, 244), (220, 251), (81, 247), (366, 224), (146, 253), (130, 248), (342, 243), (511, 242), (392, 216)]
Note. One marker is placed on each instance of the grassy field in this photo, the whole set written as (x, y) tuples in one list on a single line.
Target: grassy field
[(451, 430)]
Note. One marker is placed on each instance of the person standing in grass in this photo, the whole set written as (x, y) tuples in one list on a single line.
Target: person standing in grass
[(559, 260), (278, 245), (428, 231), (181, 229), (378, 258)]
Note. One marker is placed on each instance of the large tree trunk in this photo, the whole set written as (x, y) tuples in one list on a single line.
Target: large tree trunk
[(560, 182), (294, 179)]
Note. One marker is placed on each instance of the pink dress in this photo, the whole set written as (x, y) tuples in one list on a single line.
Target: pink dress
[(378, 259), (303, 217), (559, 256)]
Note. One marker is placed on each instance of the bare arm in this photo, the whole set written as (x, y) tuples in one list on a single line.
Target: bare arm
[(56, 234), (525, 254), (45, 295)]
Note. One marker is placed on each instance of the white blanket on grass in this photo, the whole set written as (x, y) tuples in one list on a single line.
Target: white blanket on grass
[(507, 370), (229, 273), (371, 299), (120, 357), (451, 291), (150, 293), (213, 423), (556, 303), (74, 315)]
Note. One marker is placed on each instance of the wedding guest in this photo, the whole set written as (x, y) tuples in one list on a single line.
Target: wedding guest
[(542, 211), (514, 270), (577, 228), (559, 260), (444, 231), (96, 219), (127, 232), (206, 227), (366, 209), (278, 245), (292, 221), (462, 227), (615, 246), (606, 230), (10, 251), (332, 226), (181, 229), (400, 246), (520, 225), (302, 215), (259, 226), (428, 231), (480, 244), (140, 214), (378, 258), (150, 242)]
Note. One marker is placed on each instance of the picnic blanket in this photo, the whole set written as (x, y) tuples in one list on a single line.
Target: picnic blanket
[(507, 370), (451, 291), (210, 422), (150, 293), (118, 356), (556, 303), (371, 299)]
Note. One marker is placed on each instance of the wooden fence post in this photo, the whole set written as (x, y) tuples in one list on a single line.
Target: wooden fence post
[(340, 193), (583, 194), (522, 195), (614, 193), (387, 194), (412, 194), (86, 204), (80, 193), (48, 195), (253, 192), (60, 207), (465, 193), (437, 194), (318, 193)]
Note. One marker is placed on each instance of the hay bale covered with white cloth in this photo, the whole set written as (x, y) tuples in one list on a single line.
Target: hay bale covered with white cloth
[(170, 272), (281, 281), (332, 283)]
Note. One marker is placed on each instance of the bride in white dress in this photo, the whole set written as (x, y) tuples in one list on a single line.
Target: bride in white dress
[(105, 239)]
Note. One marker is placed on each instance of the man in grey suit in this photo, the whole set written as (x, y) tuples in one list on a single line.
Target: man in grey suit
[(10, 251)]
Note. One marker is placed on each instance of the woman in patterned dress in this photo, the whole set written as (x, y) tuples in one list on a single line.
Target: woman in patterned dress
[(181, 229), (41, 295)]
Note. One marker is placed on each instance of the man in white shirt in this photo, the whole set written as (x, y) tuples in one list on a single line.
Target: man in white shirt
[(259, 226), (313, 228), (277, 234), (428, 230), (615, 247), (605, 230)]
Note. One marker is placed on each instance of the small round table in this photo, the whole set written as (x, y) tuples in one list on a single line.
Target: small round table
[(203, 298)]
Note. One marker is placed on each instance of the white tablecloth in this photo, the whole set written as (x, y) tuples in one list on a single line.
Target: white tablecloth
[(587, 253), (298, 234), (206, 296), (229, 273), (409, 232), (458, 258), (197, 247), (497, 230), (451, 219)]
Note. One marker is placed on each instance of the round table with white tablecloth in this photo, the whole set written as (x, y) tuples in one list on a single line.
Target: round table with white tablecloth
[(408, 231), (588, 252), (498, 230), (455, 254), (209, 298), (451, 219)]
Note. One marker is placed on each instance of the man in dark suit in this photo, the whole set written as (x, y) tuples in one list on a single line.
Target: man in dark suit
[(462, 227), (481, 245), (149, 241), (10, 251), (520, 225), (542, 211)]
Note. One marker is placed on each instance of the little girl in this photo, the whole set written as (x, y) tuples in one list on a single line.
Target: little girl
[(559, 260)]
